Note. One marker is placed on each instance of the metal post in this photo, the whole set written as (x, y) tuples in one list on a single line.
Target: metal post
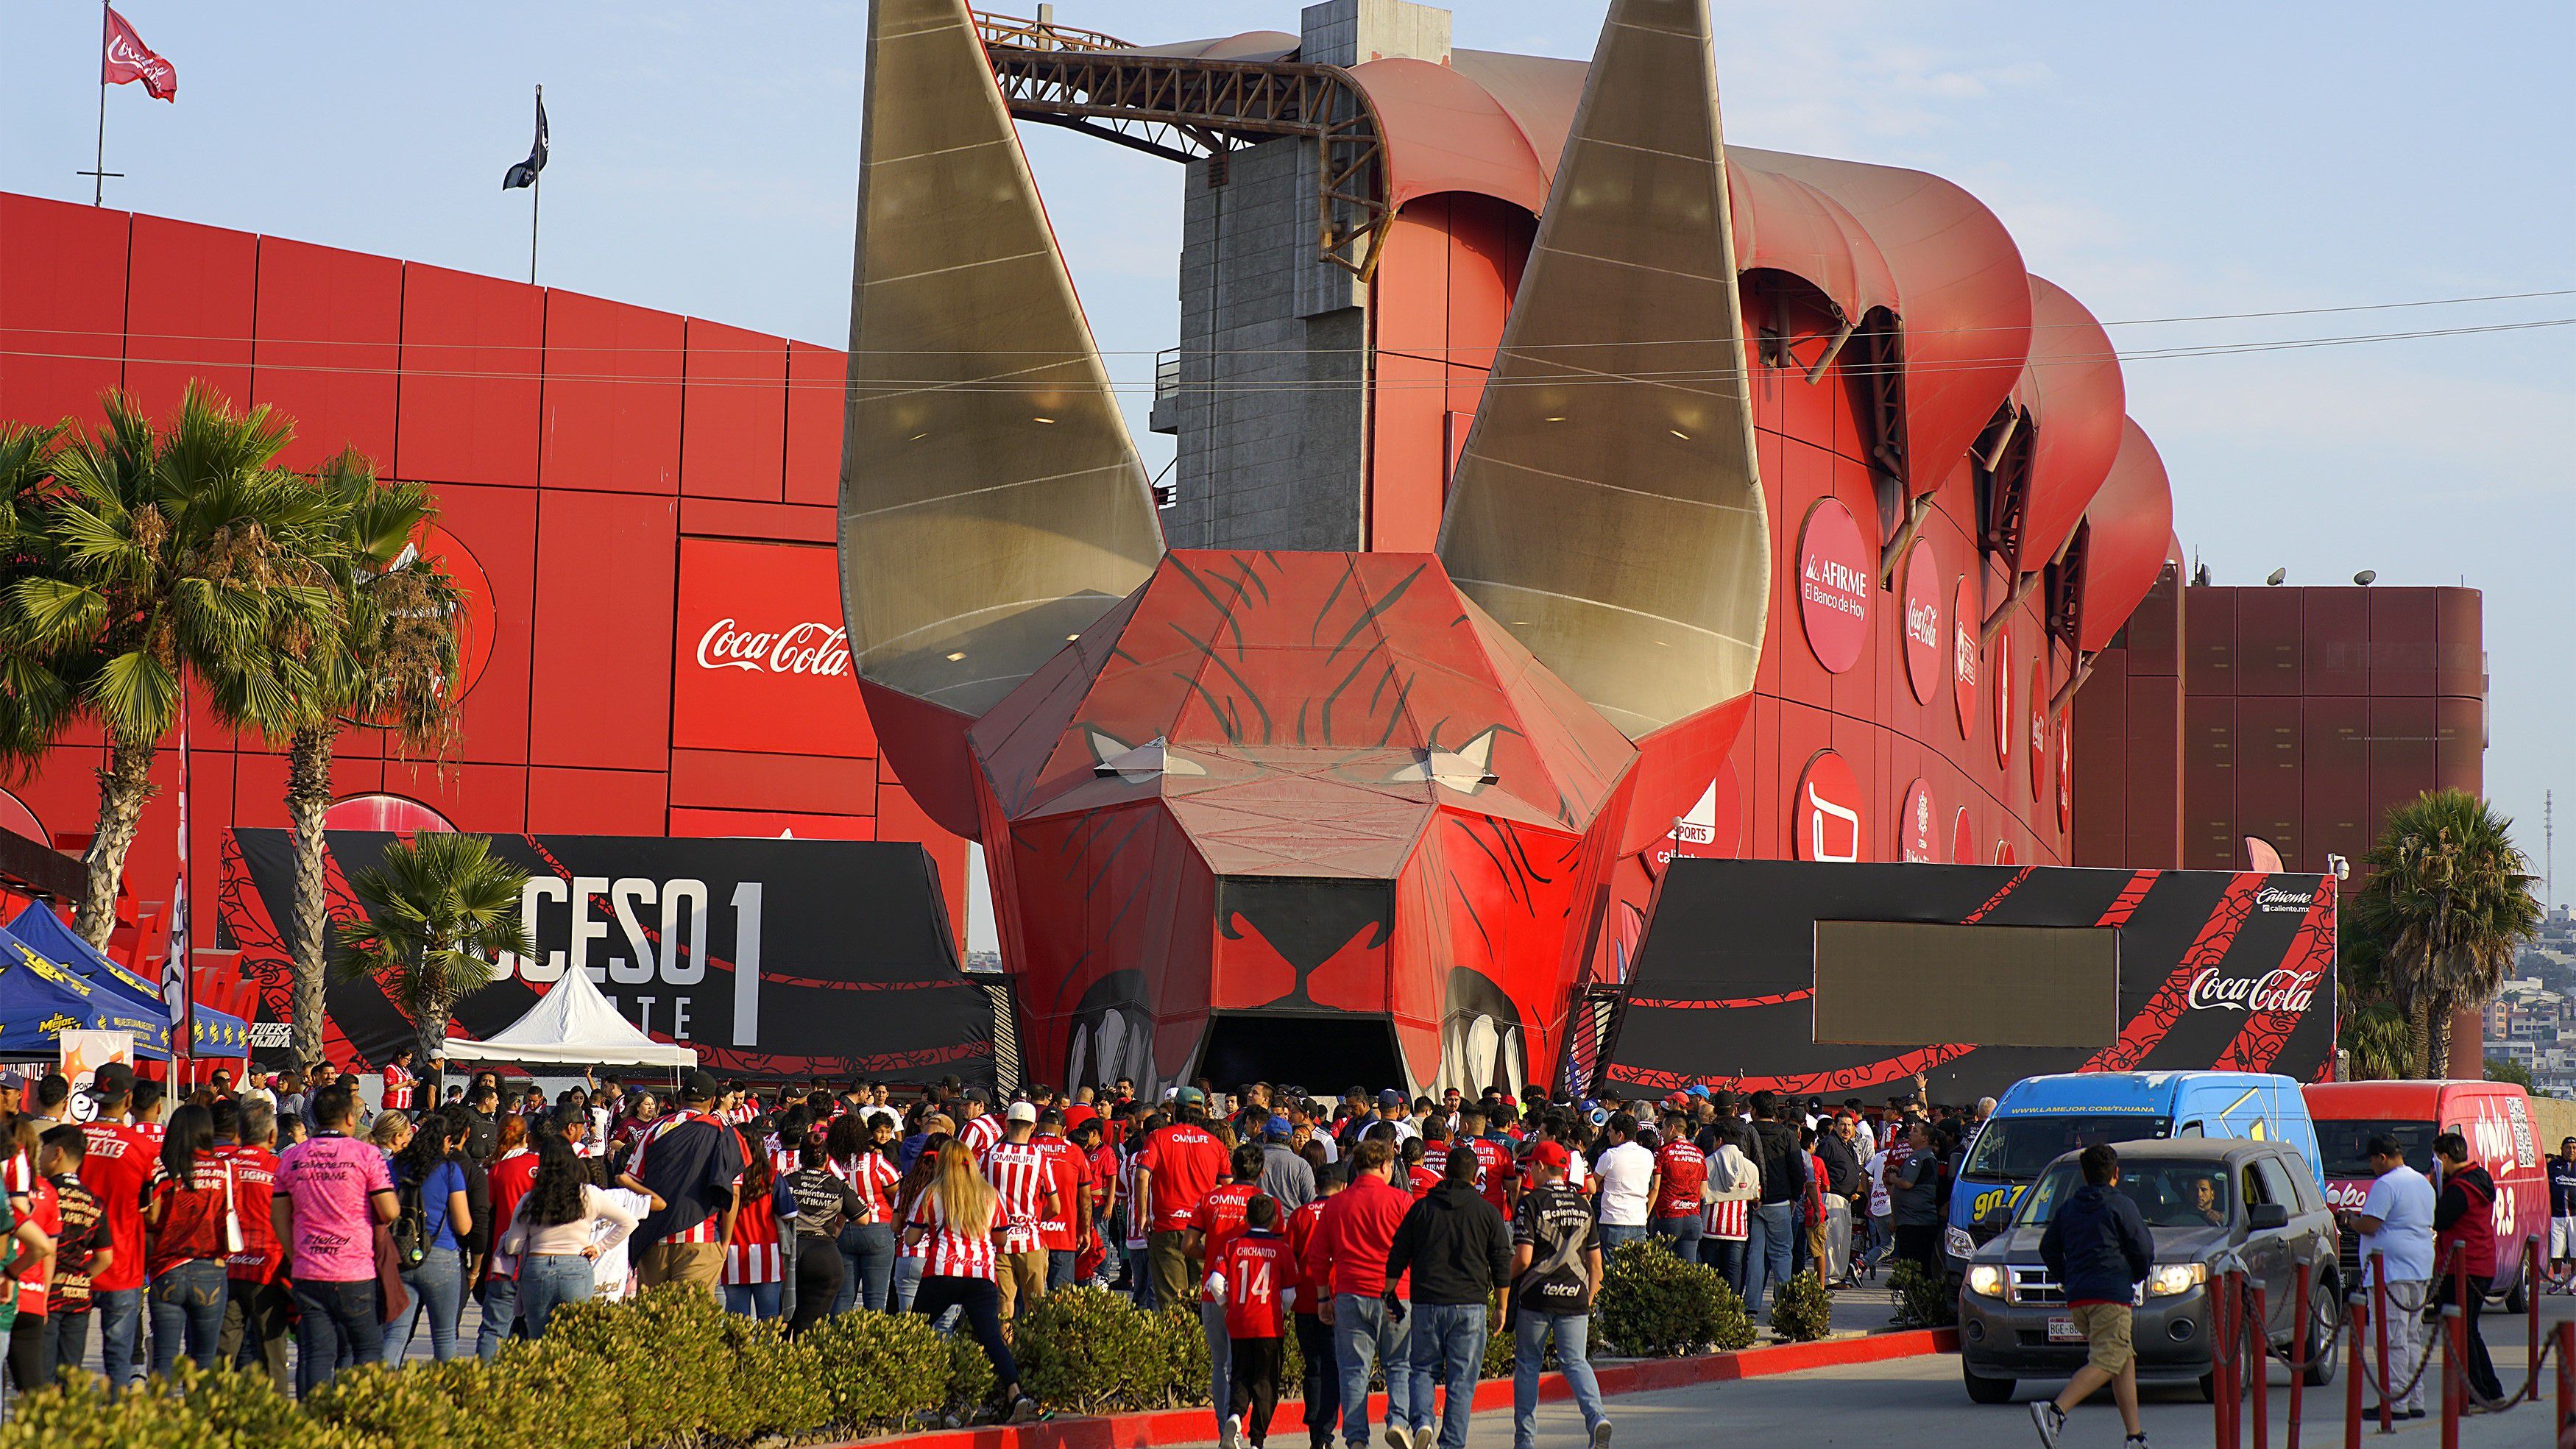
[(2379, 1317), (2220, 1342), (2358, 1311), (98, 185), (2256, 1345), (2455, 1373), (2566, 1376), (2299, 1345), (2531, 1290), (536, 203)]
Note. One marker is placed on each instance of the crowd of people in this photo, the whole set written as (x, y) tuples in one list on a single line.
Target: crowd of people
[(283, 1226)]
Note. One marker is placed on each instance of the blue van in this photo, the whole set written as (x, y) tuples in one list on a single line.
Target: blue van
[(2041, 1117)]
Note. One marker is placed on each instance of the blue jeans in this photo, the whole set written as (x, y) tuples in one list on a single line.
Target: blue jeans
[(120, 1333), (867, 1267), (1220, 1346), (500, 1315), (437, 1292), (333, 1315), (1726, 1255), (187, 1299), (752, 1300), (1366, 1335), (1771, 1234), (1448, 1348), (1060, 1264), (547, 1281), (1683, 1233), (69, 1333), (1615, 1236), (906, 1283), (1529, 1344)]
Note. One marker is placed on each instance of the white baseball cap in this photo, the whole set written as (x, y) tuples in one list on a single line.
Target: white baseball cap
[(1024, 1112)]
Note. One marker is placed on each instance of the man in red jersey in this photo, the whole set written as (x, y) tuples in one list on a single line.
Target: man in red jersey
[(1254, 1277), (1218, 1219), (255, 1301), (1323, 1385), (116, 1169), (1347, 1257), (1064, 1229), (1181, 1163), (1495, 1175), (1673, 1193), (1026, 1178)]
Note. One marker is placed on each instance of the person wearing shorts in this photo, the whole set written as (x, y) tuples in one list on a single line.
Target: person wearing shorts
[(2098, 1246)]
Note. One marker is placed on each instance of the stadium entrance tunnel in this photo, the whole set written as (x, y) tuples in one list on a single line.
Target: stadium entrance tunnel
[(1322, 1052)]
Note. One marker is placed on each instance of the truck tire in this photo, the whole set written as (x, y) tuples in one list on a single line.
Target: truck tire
[(1983, 1390), (2316, 1345), (2517, 1299)]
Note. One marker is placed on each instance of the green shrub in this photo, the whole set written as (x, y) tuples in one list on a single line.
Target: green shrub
[(1803, 1310), (1087, 1350), (1924, 1298), (1654, 1305), (971, 1383), (1180, 1348), (882, 1371)]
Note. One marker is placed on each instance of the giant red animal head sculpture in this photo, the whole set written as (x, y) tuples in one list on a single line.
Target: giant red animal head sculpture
[(1303, 816)]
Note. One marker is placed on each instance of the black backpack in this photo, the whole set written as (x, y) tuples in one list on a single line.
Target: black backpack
[(410, 1227)]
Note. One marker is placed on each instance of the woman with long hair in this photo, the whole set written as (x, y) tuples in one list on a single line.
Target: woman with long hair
[(755, 1269), (908, 1188), (187, 1238), (514, 1166), (824, 1204), (952, 1225), (860, 1152), (429, 1180), (557, 1232)]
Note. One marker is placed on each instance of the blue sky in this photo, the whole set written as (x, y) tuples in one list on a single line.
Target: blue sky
[(2178, 159)]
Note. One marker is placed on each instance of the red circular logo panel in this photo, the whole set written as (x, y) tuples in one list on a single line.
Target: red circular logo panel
[(2002, 672), (1963, 839), (1714, 825), (1914, 829), (2004, 853), (1829, 811), (2039, 727), (1834, 565), (2066, 769), (1923, 620), (1963, 656)]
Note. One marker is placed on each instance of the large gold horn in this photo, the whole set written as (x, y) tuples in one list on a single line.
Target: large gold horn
[(1606, 507), (992, 503)]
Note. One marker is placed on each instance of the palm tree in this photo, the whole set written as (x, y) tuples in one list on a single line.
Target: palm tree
[(390, 661), (139, 557), (2449, 897), (440, 909)]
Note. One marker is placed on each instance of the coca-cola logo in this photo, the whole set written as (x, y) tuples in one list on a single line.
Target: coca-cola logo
[(807, 648), (2280, 989), (2274, 899)]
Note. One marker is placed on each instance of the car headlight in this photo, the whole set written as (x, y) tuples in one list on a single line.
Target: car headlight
[(1986, 1279), (1956, 1242), (2168, 1279)]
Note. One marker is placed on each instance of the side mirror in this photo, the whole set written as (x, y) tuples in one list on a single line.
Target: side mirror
[(2262, 1215)]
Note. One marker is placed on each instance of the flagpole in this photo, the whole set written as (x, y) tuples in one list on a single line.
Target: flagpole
[(98, 184), (536, 197)]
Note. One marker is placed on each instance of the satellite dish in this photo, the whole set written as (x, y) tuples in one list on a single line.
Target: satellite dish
[(2365, 577), (2276, 577)]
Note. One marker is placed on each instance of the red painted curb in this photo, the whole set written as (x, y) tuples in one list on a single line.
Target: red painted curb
[(1157, 1428)]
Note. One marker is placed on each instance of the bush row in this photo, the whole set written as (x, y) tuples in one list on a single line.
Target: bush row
[(672, 1370)]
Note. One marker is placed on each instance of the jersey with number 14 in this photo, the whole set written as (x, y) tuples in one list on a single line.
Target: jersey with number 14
[(1257, 1269)]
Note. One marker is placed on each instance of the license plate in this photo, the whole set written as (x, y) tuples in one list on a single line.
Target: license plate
[(2063, 1330)]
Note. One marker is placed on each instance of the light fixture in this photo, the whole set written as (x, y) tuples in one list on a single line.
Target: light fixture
[(2277, 575), (1678, 433), (960, 654), (1069, 638), (2365, 576), (1560, 417), (917, 437), (1049, 421)]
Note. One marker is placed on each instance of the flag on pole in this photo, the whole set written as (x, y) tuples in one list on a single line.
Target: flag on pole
[(129, 59), (174, 973), (525, 172)]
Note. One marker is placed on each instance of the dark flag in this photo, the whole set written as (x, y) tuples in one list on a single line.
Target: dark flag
[(525, 173)]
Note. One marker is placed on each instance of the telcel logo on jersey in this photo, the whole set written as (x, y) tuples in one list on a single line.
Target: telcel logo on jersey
[(2280, 989), (807, 648)]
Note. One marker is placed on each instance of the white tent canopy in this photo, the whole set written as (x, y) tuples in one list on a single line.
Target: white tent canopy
[(572, 1024)]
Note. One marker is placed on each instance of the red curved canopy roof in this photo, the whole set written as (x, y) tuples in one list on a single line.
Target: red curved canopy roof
[(1446, 132), (1789, 225), (2131, 518), (2072, 391), (1251, 45)]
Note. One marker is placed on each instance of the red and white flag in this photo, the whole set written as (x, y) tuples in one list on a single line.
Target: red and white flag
[(129, 59)]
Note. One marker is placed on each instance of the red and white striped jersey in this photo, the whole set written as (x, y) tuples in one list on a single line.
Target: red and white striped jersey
[(737, 1116), (952, 1251), (1022, 1174), (398, 1085), (980, 1134), (872, 1175), (1726, 1219), (754, 1255), (1139, 1197)]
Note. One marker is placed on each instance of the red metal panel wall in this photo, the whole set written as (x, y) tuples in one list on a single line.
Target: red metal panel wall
[(329, 329), (63, 308), (2269, 774), (2460, 744), (2402, 753), (795, 784), (600, 687), (816, 377), (2155, 771), (2268, 641), (612, 396), (733, 421), (498, 527), (2460, 658), (189, 312), (2337, 660), (2210, 838), (2209, 641), (596, 802), (472, 348), (2401, 642), (2337, 756)]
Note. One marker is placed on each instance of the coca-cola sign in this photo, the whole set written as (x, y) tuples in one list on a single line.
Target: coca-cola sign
[(763, 660), (1923, 637), (2281, 989)]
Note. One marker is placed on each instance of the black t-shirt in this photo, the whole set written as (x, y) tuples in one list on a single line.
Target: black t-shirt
[(2562, 1188), (823, 1201), (1555, 1223)]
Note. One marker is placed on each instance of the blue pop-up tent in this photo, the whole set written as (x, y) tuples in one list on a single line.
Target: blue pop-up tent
[(40, 999), (213, 1033), (40, 928)]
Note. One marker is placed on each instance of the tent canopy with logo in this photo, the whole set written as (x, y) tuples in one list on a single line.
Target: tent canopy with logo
[(45, 932), (572, 1025), (213, 1033), (40, 1000)]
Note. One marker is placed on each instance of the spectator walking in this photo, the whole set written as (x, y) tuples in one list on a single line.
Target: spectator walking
[(117, 1168), (256, 1302), (36, 1208), (1734, 1186), (1457, 1251), (512, 1172), (1181, 1163), (694, 1165), (953, 1223), (1772, 1227), (188, 1227), (1218, 1221), (553, 1234), (2562, 1211), (2099, 1248), (755, 1263), (1322, 1389), (1286, 1178), (1347, 1258), (429, 1235), (2465, 1248), (859, 1147), (1254, 1278), (1028, 1181), (825, 1206), (332, 1190), (1064, 1229), (1626, 1171), (2396, 1226), (1556, 1268), (1681, 1182)]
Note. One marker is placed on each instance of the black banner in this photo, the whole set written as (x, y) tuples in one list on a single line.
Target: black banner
[(2216, 969), (772, 958)]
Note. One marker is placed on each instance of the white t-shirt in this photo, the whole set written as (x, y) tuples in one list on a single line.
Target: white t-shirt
[(608, 1271), (1625, 1172), (2402, 1200), (1876, 1172), (1864, 1141)]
